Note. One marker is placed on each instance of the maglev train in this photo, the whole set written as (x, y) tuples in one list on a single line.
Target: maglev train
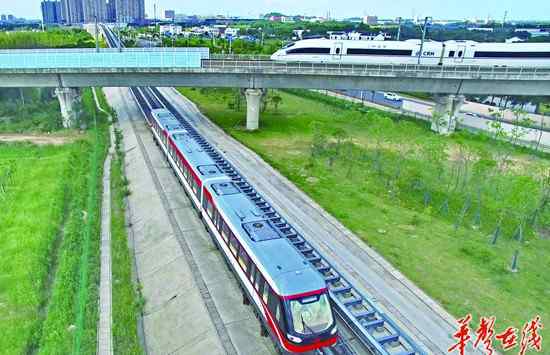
[(289, 295), (406, 52)]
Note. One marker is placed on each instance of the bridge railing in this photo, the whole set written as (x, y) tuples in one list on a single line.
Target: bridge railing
[(405, 70)]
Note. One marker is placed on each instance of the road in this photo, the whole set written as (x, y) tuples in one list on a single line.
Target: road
[(425, 107), (193, 302), (422, 317)]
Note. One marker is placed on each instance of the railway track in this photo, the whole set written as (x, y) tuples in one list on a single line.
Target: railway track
[(363, 327)]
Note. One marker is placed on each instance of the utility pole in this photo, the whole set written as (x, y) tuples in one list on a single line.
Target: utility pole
[(398, 28), (504, 19), (96, 35), (423, 38)]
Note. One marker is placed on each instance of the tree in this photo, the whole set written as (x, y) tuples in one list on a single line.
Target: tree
[(276, 100)]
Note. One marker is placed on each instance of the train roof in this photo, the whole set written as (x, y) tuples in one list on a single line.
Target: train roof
[(281, 262), (290, 272)]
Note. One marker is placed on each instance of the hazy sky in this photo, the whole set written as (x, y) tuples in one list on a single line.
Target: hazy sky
[(456, 9)]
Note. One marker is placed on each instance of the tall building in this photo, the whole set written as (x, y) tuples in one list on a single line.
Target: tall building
[(111, 11), (169, 14), (51, 11), (72, 12), (92, 9), (3, 18), (130, 10)]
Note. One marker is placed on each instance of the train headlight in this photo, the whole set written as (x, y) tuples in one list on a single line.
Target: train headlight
[(334, 330), (293, 338)]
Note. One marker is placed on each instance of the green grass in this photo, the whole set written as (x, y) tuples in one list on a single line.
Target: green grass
[(50, 242), (381, 182), (127, 301), (32, 211), (52, 38), (71, 322)]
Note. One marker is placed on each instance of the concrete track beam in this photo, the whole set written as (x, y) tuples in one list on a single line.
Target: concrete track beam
[(253, 105), (68, 98), (445, 113)]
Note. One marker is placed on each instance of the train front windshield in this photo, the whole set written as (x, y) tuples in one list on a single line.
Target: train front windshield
[(311, 314)]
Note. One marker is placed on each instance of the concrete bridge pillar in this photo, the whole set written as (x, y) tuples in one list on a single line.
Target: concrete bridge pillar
[(444, 115), (253, 104), (68, 97)]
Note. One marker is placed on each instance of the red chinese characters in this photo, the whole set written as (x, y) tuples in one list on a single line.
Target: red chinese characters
[(462, 335), (531, 338)]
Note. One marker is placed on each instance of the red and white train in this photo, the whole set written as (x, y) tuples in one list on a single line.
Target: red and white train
[(289, 295)]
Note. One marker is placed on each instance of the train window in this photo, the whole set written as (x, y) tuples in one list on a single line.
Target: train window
[(337, 50), (451, 54), (244, 260), (265, 292), (373, 51), (233, 245), (218, 220), (459, 54), (310, 50), (259, 282), (253, 271), (482, 54), (225, 231), (211, 210)]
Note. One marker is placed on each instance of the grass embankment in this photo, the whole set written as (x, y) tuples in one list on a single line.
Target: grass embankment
[(127, 300), (50, 243), (449, 212), (52, 38), (71, 321)]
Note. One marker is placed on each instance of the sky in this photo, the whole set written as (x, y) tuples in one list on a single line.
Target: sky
[(440, 9)]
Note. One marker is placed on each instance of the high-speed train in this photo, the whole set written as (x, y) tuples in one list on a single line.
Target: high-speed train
[(290, 296), (324, 50)]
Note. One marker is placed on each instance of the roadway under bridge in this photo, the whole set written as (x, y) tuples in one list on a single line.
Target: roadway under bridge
[(168, 67)]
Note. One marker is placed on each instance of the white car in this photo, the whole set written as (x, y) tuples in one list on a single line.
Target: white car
[(392, 96)]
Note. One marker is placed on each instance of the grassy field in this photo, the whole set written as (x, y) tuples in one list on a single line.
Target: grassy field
[(448, 212), (127, 301), (32, 205), (50, 242)]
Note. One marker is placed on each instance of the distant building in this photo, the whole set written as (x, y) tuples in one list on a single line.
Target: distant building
[(51, 11), (128, 11), (11, 18), (111, 11), (92, 9), (170, 14), (3, 18), (370, 20), (71, 11), (231, 32), (534, 32), (171, 29), (481, 29)]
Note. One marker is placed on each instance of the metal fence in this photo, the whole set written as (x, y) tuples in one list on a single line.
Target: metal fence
[(385, 70)]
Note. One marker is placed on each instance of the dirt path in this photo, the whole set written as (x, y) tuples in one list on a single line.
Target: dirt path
[(40, 139)]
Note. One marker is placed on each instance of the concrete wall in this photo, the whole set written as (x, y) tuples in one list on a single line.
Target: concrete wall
[(131, 77)]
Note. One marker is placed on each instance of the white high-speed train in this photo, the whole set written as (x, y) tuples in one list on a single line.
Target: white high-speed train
[(406, 52)]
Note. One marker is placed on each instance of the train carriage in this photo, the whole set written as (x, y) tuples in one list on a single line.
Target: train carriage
[(454, 53), (289, 295)]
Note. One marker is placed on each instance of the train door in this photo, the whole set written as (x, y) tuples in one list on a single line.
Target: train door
[(337, 51), (459, 54)]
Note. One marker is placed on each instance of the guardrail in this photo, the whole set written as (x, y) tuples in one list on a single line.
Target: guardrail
[(384, 70)]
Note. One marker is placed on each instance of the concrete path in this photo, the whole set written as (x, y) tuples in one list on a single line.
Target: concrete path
[(421, 316), (193, 302), (104, 331)]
